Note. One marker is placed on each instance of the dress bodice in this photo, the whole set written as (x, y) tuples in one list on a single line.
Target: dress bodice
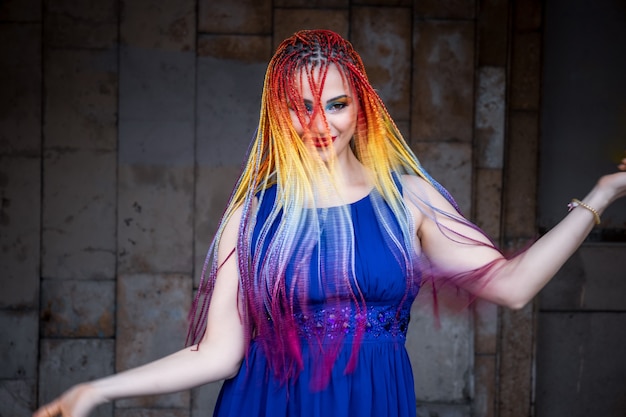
[(378, 273)]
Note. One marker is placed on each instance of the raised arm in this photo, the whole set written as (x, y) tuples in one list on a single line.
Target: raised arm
[(217, 357), (509, 282)]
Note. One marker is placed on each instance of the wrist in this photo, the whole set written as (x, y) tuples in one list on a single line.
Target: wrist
[(577, 203), (94, 391), (600, 197)]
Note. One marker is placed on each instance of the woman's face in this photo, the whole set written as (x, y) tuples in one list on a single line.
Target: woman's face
[(339, 107)]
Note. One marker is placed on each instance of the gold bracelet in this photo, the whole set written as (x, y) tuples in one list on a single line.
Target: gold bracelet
[(576, 202)]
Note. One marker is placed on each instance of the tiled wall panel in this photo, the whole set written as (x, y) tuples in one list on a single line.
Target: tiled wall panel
[(20, 83), (289, 21), (441, 355), (73, 24), (443, 80), (20, 231), (78, 237), (151, 323), (81, 99), (78, 308), (235, 17), (156, 137), (383, 37), (65, 362)]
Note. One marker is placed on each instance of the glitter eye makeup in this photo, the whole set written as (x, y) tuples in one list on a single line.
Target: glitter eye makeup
[(337, 104), (333, 105)]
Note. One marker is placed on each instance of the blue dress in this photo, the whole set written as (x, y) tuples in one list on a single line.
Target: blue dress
[(382, 382)]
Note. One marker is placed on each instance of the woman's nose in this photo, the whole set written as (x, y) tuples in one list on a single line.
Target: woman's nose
[(318, 124)]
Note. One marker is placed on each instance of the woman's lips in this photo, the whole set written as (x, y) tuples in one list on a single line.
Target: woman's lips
[(323, 142)]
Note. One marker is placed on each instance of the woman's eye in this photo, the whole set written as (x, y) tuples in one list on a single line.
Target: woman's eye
[(308, 107), (334, 107)]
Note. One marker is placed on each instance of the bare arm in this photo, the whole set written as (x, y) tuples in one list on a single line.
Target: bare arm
[(511, 282), (218, 356)]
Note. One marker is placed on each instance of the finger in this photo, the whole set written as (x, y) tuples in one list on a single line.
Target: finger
[(54, 409), (48, 410), (41, 411)]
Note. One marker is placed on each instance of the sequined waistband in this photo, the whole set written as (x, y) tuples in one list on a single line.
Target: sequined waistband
[(380, 323)]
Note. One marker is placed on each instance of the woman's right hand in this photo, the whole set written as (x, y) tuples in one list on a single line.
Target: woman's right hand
[(78, 401)]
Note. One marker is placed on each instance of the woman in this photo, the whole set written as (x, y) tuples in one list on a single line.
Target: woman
[(329, 234)]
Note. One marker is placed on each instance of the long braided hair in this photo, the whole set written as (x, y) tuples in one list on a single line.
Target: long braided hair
[(271, 288)]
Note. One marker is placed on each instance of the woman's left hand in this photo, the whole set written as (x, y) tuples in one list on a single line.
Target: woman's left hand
[(614, 184)]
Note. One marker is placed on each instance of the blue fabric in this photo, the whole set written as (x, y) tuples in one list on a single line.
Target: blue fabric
[(382, 382)]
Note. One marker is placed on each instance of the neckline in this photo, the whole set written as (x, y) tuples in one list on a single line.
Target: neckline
[(353, 203)]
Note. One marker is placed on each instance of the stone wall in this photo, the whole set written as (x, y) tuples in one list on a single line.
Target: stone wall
[(123, 125)]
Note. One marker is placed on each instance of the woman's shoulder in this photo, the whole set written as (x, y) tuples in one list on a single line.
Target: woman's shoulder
[(419, 192), (414, 184)]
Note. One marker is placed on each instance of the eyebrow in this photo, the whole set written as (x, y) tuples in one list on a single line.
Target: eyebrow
[(329, 100)]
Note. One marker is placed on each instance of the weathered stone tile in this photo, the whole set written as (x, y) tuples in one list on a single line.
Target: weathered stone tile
[(78, 238), (203, 399), (488, 201), (443, 81), (155, 206), (228, 102), (485, 386), (65, 362), (442, 357), (450, 163), (156, 160), (211, 199), (485, 327), (18, 350), (17, 397), (493, 32), (77, 308), (592, 279), (80, 24), (157, 90), (526, 72), (382, 36), (311, 3), (20, 83), (516, 361), (567, 291), (520, 182), (81, 99), (20, 213), (289, 21), (151, 323), (167, 25), (236, 16), (581, 367), (146, 412), (490, 117), (246, 49), (445, 9), (21, 11)]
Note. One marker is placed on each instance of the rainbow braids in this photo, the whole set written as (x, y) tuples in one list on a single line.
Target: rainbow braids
[(271, 288)]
